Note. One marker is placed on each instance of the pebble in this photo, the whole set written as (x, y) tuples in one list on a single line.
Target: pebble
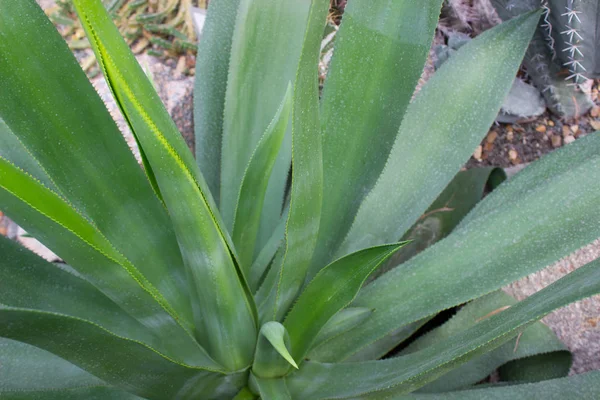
[(512, 154), (510, 135), (595, 111), (550, 123), (575, 129), (478, 152), (569, 139), (595, 124), (492, 136), (556, 141), (566, 131), (541, 128)]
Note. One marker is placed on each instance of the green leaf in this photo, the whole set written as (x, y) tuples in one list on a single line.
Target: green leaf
[(444, 214), (50, 218), (28, 281), (544, 213), (381, 48), (537, 342), (263, 61), (341, 322), (307, 166), (30, 373), (14, 151), (225, 316), (332, 289), (580, 387), (266, 255), (26, 368), (271, 389), (273, 344), (407, 373), (122, 362), (254, 184), (467, 93), (52, 109), (210, 86)]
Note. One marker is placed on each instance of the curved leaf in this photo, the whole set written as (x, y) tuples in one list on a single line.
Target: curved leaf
[(467, 93), (410, 372), (332, 289), (49, 104), (341, 322), (537, 341), (224, 312), (14, 151), (254, 184), (271, 389), (210, 86), (580, 387), (271, 351), (50, 218), (265, 50), (307, 167), (122, 362), (545, 212), (381, 48)]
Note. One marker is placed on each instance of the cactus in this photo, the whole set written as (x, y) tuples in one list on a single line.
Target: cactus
[(563, 54)]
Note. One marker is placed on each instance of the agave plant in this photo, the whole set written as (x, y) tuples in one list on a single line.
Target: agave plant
[(233, 276)]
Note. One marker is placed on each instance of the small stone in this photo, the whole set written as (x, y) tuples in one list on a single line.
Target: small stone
[(595, 111), (556, 141), (512, 154), (510, 135), (566, 131), (477, 153), (550, 123), (491, 137), (575, 129), (569, 139), (488, 147), (541, 128), (595, 124)]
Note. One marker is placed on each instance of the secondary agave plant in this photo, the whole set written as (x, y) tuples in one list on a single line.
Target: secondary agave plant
[(232, 275)]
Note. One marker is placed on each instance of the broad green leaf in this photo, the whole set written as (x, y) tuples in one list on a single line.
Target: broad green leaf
[(254, 184), (271, 389), (26, 368), (410, 372), (444, 214), (266, 255), (13, 150), (265, 50), (536, 342), (28, 281), (212, 65), (272, 349), (29, 373), (122, 362), (48, 103), (245, 394), (380, 51), (50, 218), (581, 387), (544, 213), (332, 289), (341, 322), (224, 312), (307, 166), (466, 93)]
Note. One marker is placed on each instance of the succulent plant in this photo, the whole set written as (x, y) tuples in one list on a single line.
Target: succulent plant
[(241, 273), (563, 54)]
